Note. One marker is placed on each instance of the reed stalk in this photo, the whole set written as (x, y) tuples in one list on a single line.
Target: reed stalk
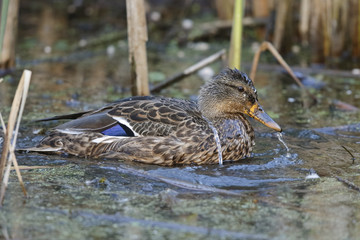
[(282, 9), (4, 10), (9, 12), (326, 23), (8, 156), (137, 38), (305, 8), (224, 9), (236, 36)]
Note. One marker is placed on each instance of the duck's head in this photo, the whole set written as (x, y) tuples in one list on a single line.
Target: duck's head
[(230, 93)]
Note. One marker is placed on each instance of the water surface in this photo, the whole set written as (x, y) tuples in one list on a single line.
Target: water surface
[(266, 196)]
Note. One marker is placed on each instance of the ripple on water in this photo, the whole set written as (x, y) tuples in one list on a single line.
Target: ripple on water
[(281, 161), (235, 180), (237, 176)]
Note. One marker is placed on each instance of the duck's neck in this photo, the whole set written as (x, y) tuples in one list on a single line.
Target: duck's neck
[(241, 117)]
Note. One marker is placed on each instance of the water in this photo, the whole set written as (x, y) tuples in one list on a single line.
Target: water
[(111, 198), (280, 137), (273, 196), (77, 198)]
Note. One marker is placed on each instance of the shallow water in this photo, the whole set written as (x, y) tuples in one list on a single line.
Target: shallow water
[(266, 196)]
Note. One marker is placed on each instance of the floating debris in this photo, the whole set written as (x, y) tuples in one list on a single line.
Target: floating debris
[(312, 174), (343, 106)]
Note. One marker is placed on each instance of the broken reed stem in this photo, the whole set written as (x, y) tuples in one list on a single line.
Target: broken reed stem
[(268, 46), (8, 155), (190, 70), (10, 127), (12, 148)]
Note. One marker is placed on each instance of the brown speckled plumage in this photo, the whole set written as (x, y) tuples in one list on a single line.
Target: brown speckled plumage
[(167, 131)]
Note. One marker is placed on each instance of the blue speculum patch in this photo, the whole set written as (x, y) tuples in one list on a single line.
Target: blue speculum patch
[(117, 130)]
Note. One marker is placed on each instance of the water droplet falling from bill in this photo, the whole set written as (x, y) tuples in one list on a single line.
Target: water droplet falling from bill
[(280, 137)]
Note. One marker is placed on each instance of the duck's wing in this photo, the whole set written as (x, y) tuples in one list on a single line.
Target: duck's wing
[(96, 120), (137, 116), (156, 117), (91, 112), (170, 131)]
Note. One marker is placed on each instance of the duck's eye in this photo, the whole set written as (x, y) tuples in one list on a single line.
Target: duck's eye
[(241, 89)]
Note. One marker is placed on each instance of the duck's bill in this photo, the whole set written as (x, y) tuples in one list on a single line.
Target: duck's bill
[(260, 115)]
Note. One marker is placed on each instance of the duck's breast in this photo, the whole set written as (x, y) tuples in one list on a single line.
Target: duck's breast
[(236, 137)]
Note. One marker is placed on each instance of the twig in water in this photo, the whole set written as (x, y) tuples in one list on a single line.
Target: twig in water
[(348, 183), (353, 158), (8, 155), (190, 70)]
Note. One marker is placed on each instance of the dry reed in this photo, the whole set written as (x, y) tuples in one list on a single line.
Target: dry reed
[(8, 32), (8, 156), (137, 38), (268, 46)]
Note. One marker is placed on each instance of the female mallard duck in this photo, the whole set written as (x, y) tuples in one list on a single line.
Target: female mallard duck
[(167, 131)]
